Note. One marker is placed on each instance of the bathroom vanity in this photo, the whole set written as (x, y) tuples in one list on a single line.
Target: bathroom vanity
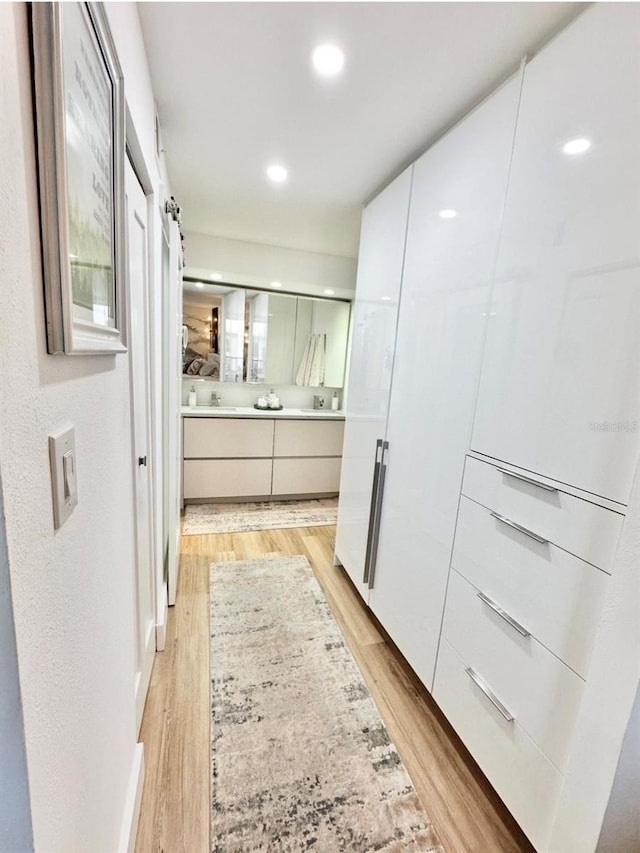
[(241, 452)]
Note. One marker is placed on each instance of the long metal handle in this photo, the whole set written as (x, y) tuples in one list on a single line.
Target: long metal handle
[(491, 696), (372, 511), (503, 614), (528, 480), (378, 513), (520, 528)]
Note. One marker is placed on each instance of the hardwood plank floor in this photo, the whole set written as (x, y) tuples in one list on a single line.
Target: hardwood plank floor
[(466, 813)]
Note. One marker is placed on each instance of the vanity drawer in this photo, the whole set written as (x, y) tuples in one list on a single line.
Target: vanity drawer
[(207, 438), (308, 438), (580, 527), (551, 593), (226, 478), (539, 690), (524, 778), (306, 476)]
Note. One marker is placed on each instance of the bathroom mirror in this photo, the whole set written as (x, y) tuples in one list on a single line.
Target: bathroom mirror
[(235, 334)]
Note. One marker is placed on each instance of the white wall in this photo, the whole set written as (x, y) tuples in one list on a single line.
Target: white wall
[(256, 264), (73, 589), (621, 828), (15, 818)]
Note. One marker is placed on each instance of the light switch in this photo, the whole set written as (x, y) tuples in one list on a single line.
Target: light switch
[(62, 458)]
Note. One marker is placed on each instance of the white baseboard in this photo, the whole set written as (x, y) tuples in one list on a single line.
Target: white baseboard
[(161, 620), (131, 815)]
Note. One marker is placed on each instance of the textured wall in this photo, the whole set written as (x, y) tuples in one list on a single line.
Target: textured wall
[(621, 828), (73, 589), (15, 818)]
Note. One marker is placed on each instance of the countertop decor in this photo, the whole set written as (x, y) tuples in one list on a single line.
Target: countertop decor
[(254, 412)]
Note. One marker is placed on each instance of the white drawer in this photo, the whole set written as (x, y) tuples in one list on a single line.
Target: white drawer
[(553, 594), (306, 476), (308, 438), (539, 690), (227, 478), (525, 780), (206, 438), (580, 527)]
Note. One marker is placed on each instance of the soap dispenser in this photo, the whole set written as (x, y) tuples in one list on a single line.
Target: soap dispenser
[(335, 402), (193, 398)]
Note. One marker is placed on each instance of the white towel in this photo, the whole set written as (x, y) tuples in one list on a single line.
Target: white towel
[(311, 370)]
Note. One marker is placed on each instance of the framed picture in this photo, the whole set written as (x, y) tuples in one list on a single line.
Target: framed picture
[(80, 129)]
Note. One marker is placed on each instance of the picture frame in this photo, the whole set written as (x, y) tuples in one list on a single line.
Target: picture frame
[(80, 129)]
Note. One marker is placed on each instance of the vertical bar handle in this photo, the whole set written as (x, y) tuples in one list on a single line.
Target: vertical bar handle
[(378, 514), (372, 511)]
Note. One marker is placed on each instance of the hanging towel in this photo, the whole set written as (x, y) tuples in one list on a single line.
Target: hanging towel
[(311, 370)]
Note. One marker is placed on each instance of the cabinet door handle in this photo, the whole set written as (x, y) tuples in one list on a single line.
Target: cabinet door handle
[(378, 513), (491, 696), (528, 480), (520, 528), (503, 614), (372, 511)]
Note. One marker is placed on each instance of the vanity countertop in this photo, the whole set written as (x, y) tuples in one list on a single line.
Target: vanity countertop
[(250, 412)]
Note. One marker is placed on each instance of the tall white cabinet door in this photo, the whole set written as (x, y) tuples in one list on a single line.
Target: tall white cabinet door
[(375, 311), (560, 387), (449, 266)]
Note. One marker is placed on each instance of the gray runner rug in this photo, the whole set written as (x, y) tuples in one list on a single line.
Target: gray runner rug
[(300, 758), (242, 517)]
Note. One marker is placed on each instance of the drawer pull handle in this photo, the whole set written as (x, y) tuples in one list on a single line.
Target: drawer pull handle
[(503, 615), (519, 528), (528, 480), (491, 696)]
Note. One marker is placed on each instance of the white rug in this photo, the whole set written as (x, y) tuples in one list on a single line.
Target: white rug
[(269, 515), (300, 758)]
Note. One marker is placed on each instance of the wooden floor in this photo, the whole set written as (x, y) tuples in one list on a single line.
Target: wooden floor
[(465, 812)]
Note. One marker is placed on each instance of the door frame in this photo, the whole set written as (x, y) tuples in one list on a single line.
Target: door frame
[(137, 159), (141, 409)]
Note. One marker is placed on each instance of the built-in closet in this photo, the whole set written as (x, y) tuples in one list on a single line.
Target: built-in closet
[(489, 455)]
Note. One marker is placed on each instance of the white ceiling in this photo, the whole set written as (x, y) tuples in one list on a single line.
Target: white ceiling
[(235, 92)]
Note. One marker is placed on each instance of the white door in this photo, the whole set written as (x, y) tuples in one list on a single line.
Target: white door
[(138, 293), (174, 420), (452, 240), (375, 313), (559, 393)]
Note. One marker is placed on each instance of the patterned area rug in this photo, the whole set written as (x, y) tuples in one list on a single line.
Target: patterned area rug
[(268, 515), (300, 759)]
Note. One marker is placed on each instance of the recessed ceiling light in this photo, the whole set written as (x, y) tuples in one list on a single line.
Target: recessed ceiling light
[(328, 59), (199, 284), (216, 276), (277, 173), (329, 292), (386, 298), (448, 213), (276, 284), (576, 146)]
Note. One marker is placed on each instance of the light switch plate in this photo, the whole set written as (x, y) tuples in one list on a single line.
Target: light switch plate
[(64, 477)]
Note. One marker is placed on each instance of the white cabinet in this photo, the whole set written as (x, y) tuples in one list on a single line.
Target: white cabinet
[(375, 312), (260, 457), (227, 438), (441, 326), (521, 774), (560, 389), (307, 457), (227, 478), (227, 457)]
